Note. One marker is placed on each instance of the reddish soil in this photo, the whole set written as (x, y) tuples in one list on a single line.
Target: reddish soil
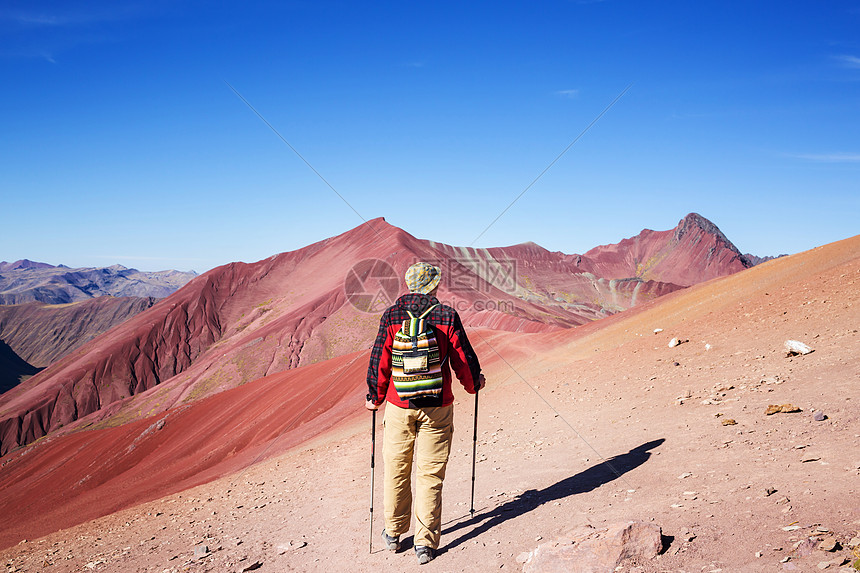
[(599, 424)]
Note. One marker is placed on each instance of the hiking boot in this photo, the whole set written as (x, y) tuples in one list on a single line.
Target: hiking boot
[(391, 543), (425, 554)]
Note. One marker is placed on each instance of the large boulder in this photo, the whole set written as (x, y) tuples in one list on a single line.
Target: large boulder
[(590, 550)]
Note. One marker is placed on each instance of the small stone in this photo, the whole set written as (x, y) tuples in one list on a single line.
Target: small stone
[(819, 416), (658, 330), (784, 408), (829, 544), (685, 475), (791, 528), (201, 551), (290, 546), (785, 559), (758, 553), (824, 564), (524, 556), (729, 422), (770, 491), (253, 566), (808, 459), (795, 348), (855, 542), (674, 342)]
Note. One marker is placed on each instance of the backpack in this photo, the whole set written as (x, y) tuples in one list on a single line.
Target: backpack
[(416, 369)]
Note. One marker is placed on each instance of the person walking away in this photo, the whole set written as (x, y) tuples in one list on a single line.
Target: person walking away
[(419, 342)]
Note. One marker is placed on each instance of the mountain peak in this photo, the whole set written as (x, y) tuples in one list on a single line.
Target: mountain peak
[(23, 264), (695, 221)]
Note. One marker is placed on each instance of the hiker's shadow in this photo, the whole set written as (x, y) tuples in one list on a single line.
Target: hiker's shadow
[(584, 481)]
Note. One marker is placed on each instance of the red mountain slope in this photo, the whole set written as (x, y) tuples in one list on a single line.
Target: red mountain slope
[(694, 251), (62, 481), (242, 321)]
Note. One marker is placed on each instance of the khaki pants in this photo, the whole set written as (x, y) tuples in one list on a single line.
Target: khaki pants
[(426, 432)]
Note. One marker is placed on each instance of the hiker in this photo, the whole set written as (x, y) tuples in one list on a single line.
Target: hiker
[(411, 370)]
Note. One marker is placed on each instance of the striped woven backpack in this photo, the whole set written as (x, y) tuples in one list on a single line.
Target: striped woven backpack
[(416, 369)]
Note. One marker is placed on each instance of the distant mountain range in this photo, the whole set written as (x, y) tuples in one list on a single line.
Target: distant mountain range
[(28, 281), (47, 311), (240, 322)]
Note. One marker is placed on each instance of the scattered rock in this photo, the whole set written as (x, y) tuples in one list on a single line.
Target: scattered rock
[(829, 544), (658, 330), (290, 545), (201, 551), (808, 459), (770, 491), (795, 348), (819, 416), (729, 422), (784, 408), (589, 550), (805, 546), (685, 475), (252, 567), (855, 542), (824, 565), (676, 342)]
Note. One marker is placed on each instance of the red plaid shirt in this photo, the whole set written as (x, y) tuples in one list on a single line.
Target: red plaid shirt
[(454, 350)]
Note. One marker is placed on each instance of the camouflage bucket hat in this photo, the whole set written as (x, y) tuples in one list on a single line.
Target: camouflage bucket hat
[(422, 277)]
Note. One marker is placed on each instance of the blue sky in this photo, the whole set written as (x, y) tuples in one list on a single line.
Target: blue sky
[(121, 142)]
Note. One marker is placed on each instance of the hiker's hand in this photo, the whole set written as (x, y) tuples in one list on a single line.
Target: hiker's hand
[(481, 382), (370, 405)]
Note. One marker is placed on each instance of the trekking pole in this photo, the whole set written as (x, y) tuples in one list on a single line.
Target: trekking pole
[(474, 451), (372, 464)]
